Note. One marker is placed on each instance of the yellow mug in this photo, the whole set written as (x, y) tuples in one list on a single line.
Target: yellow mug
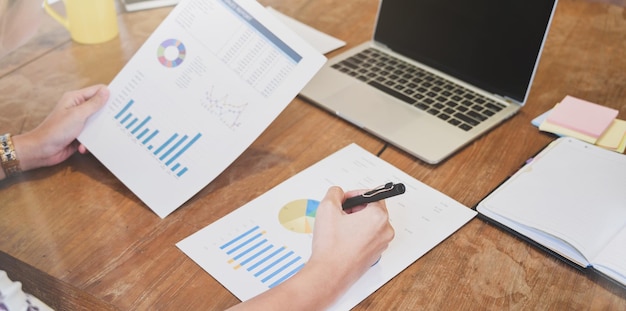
[(88, 21)]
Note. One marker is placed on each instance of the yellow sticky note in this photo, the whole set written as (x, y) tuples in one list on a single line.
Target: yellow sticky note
[(622, 145), (614, 135)]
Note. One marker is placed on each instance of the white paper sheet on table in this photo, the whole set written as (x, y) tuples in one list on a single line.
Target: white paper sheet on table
[(199, 91), (322, 42), (266, 241)]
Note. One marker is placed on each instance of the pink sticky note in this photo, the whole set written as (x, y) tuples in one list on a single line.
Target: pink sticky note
[(582, 116)]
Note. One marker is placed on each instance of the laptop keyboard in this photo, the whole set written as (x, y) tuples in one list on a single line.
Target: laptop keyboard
[(448, 101)]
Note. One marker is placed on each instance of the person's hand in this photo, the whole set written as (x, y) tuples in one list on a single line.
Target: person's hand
[(349, 242), (345, 245), (54, 140)]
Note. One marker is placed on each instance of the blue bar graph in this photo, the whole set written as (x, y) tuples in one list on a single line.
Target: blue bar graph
[(167, 142), (182, 150), (147, 140), (167, 151), (128, 116), (143, 133), (267, 262), (134, 131)]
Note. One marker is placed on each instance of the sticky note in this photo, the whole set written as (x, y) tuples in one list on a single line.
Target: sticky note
[(582, 116), (563, 131), (537, 121), (622, 146), (614, 135)]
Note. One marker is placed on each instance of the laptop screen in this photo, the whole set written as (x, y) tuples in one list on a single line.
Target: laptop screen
[(492, 44)]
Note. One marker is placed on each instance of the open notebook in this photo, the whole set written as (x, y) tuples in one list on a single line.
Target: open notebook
[(569, 200)]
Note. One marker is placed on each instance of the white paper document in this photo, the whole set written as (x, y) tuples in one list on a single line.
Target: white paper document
[(323, 42), (137, 5), (264, 242), (200, 90)]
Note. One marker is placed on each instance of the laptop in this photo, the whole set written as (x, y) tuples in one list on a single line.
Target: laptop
[(437, 73)]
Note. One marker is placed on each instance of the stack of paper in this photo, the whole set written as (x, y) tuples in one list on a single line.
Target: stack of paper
[(586, 121)]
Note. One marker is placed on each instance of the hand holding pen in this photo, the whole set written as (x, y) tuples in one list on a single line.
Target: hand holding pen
[(345, 243)]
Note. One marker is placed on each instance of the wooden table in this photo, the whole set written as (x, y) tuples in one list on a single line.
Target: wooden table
[(79, 239)]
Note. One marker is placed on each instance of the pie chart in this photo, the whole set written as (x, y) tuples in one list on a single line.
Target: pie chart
[(299, 215), (171, 53)]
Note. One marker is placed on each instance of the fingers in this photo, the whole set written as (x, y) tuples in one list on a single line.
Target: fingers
[(82, 149), (357, 208), (94, 97), (89, 92), (375, 213), (334, 196)]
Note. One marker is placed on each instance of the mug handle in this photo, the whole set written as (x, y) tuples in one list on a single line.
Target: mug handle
[(55, 15)]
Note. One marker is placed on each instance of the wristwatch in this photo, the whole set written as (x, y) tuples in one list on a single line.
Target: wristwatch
[(8, 157)]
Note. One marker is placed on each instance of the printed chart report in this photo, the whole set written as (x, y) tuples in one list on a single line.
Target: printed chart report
[(265, 242), (197, 93)]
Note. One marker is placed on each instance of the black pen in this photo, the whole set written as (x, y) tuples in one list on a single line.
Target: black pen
[(377, 194)]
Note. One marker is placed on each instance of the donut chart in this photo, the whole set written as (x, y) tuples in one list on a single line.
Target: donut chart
[(169, 47), (299, 215)]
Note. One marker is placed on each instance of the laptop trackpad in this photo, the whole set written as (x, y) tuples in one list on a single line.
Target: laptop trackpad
[(371, 109)]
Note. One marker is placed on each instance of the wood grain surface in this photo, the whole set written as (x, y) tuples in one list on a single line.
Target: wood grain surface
[(73, 232)]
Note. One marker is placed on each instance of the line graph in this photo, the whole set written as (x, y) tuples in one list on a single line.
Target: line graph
[(219, 105)]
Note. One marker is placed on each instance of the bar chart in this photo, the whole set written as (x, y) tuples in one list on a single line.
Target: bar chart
[(168, 151), (268, 262)]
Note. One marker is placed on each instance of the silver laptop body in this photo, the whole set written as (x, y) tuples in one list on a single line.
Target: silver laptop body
[(488, 48)]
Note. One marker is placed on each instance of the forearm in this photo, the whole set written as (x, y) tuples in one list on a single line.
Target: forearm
[(25, 151), (314, 287), (54, 140)]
